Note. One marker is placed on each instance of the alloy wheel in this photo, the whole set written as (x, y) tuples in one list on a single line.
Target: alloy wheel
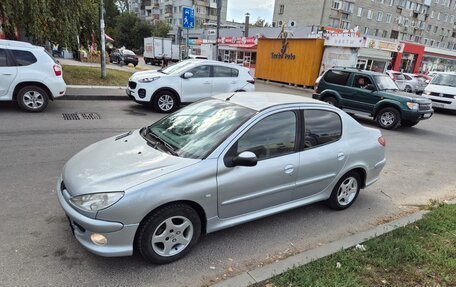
[(166, 103), (33, 99), (387, 118), (347, 191), (172, 236)]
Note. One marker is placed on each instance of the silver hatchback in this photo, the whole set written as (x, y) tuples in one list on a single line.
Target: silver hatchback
[(216, 163)]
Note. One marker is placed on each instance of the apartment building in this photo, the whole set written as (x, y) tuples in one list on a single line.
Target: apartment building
[(428, 22), (171, 10)]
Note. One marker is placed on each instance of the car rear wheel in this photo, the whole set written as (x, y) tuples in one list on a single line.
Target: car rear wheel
[(345, 192), (408, 89), (32, 99), (168, 233), (388, 118), (164, 102), (330, 100), (409, 123)]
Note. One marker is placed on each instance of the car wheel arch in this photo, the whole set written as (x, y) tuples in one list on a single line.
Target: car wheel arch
[(383, 105), (359, 169), (171, 90), (21, 85), (330, 93)]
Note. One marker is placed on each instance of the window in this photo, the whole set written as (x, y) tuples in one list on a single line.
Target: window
[(336, 77), (281, 9), (379, 16), (23, 58), (3, 62), (360, 12), (366, 30), (273, 136), (224, 72), (388, 18), (336, 4), (321, 127), (201, 72), (369, 14), (361, 81), (394, 34), (385, 34)]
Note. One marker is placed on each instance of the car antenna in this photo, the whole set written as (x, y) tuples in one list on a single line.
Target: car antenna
[(237, 91)]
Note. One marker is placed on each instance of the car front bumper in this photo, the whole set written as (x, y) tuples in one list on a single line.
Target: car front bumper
[(119, 237), (442, 102), (417, 115)]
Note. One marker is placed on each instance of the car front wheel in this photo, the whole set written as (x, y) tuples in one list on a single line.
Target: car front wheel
[(32, 99), (345, 192), (168, 234), (388, 118), (164, 102), (330, 100)]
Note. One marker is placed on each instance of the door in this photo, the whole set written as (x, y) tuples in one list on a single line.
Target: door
[(361, 98), (323, 155), (244, 189), (225, 80), (7, 73), (199, 86)]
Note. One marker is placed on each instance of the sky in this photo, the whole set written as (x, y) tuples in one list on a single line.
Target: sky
[(256, 8)]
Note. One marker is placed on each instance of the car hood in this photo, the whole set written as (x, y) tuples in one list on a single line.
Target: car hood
[(440, 89), (410, 97), (146, 74), (116, 165)]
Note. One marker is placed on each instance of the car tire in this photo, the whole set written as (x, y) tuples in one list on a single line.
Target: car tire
[(330, 100), (164, 102), (168, 233), (408, 89), (409, 123), (345, 191), (388, 118), (32, 99)]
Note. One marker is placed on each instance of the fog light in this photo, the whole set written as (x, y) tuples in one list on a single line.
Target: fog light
[(142, 93), (98, 239)]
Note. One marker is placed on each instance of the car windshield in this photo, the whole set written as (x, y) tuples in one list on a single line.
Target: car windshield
[(444, 80), (196, 130), (385, 83), (177, 68)]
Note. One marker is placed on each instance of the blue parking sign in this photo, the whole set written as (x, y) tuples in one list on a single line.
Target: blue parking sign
[(188, 18)]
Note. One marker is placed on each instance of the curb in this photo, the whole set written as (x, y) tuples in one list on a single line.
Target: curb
[(268, 271), (96, 87), (92, 98)]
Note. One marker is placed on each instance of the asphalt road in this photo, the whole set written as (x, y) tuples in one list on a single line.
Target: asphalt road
[(37, 247)]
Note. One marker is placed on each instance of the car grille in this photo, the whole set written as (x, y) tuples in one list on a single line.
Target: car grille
[(425, 107), (132, 85), (442, 95), (442, 102)]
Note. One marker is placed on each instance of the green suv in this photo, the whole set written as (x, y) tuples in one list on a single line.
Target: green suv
[(373, 94)]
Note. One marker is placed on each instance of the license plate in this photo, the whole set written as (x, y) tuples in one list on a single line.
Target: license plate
[(437, 105), (425, 116)]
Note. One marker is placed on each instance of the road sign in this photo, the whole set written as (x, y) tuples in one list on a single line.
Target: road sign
[(188, 18)]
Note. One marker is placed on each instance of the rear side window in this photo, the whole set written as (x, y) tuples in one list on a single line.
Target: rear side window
[(220, 71), (3, 62), (336, 77), (321, 127), (399, 76), (23, 58), (407, 77)]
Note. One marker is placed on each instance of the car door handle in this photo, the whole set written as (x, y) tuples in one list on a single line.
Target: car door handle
[(341, 156), (7, 74), (288, 169)]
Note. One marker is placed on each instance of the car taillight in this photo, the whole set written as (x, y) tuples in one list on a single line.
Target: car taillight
[(251, 82), (57, 70), (382, 141)]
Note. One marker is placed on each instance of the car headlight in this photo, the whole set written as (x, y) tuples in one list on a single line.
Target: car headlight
[(96, 201), (427, 93), (412, 106), (148, 80)]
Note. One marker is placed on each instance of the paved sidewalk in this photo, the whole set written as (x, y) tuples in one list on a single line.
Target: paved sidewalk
[(142, 66)]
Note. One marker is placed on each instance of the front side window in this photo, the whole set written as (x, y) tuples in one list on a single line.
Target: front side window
[(201, 72), (361, 82), (273, 136), (3, 62), (384, 82), (336, 77), (321, 127), (23, 58)]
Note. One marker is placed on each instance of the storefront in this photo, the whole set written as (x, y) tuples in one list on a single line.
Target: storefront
[(408, 61), (239, 50), (377, 54), (438, 60)]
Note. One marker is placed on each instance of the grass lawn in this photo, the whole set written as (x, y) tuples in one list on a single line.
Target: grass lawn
[(79, 75), (420, 254)]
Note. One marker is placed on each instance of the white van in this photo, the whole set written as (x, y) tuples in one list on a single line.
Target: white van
[(442, 91)]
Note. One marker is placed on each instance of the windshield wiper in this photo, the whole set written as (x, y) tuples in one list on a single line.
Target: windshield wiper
[(167, 146)]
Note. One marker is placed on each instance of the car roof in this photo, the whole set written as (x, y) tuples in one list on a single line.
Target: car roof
[(213, 62), (262, 100), (355, 70), (21, 44)]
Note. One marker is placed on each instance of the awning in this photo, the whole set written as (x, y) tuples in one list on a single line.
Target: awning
[(245, 46), (374, 54)]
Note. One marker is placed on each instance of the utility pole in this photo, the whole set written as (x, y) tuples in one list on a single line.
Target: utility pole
[(219, 8), (102, 41)]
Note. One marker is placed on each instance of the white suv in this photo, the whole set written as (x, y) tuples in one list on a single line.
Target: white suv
[(187, 81), (29, 75)]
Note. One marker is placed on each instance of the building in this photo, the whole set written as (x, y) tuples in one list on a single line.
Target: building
[(171, 10), (427, 22)]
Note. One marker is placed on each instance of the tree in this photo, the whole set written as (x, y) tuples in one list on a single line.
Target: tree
[(260, 22), (123, 5), (160, 29), (123, 31)]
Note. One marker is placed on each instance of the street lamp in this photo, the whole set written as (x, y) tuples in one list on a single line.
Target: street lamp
[(219, 8)]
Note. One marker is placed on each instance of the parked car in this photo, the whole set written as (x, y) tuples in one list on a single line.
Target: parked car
[(414, 83), (187, 81), (222, 161), (426, 78), (442, 91), (372, 94), (196, 57), (29, 75), (399, 79), (123, 55)]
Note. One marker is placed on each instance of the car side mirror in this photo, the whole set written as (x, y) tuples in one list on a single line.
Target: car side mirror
[(371, 87), (187, 75), (246, 158)]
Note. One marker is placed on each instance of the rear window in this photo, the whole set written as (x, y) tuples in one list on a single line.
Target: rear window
[(220, 71), (3, 62), (336, 77), (23, 58)]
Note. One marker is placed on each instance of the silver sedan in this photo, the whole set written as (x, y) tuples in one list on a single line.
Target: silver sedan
[(214, 164)]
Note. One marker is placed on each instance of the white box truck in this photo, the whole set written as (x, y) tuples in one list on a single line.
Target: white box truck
[(156, 49), (175, 55)]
